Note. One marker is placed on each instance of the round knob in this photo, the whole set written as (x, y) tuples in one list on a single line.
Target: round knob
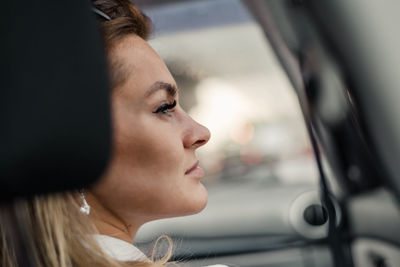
[(315, 215)]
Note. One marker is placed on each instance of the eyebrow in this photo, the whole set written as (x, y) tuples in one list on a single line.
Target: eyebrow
[(170, 88)]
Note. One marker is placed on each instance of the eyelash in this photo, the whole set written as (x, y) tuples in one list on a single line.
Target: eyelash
[(165, 108)]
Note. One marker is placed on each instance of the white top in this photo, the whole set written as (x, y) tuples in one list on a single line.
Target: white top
[(124, 251), (120, 249)]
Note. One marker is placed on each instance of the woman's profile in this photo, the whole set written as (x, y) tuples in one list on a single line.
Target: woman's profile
[(153, 172)]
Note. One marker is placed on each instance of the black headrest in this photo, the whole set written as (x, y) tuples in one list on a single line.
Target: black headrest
[(54, 98)]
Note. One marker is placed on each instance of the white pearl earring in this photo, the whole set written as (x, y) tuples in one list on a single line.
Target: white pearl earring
[(85, 208)]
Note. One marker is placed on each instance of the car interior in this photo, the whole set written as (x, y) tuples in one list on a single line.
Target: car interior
[(301, 98)]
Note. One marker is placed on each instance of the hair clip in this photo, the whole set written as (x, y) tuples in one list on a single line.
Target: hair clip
[(101, 13)]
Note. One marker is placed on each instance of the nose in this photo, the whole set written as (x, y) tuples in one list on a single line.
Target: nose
[(195, 135)]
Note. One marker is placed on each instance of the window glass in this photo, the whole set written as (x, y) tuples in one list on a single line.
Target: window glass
[(231, 82)]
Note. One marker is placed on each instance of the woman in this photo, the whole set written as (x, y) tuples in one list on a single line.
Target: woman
[(153, 172)]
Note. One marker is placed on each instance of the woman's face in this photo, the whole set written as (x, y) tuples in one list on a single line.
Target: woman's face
[(154, 171)]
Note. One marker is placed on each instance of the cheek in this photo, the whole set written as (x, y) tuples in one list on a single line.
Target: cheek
[(143, 176), (142, 139), (154, 151), (148, 154)]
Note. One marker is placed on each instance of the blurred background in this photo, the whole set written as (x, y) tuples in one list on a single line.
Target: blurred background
[(259, 156)]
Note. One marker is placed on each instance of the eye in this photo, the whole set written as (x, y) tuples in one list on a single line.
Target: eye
[(165, 108)]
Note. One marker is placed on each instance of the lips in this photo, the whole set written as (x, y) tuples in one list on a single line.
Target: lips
[(194, 167), (195, 171)]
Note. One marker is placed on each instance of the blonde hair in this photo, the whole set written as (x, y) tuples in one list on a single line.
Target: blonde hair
[(57, 234), (125, 20)]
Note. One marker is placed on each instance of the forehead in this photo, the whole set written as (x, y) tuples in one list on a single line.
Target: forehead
[(141, 64)]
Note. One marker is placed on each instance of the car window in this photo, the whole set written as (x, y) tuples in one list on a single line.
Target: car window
[(231, 82)]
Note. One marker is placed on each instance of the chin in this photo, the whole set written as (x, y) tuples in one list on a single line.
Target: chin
[(197, 202), (191, 203)]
